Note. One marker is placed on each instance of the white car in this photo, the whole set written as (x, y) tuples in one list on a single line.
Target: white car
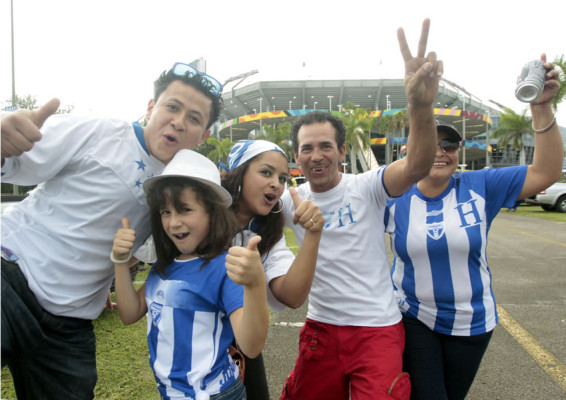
[(552, 198)]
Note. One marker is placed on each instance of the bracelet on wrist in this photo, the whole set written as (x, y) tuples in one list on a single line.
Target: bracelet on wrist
[(538, 103), (120, 261), (545, 129)]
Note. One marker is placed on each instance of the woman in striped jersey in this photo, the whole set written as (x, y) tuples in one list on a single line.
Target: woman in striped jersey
[(438, 232)]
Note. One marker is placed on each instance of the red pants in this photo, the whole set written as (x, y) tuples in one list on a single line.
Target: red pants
[(335, 362)]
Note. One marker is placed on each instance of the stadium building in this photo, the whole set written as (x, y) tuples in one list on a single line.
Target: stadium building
[(249, 107)]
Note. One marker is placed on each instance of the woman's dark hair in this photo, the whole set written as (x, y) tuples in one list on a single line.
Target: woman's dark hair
[(222, 220), (270, 226), (165, 79)]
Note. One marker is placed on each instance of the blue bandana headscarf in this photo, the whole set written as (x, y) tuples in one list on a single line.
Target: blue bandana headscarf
[(245, 150)]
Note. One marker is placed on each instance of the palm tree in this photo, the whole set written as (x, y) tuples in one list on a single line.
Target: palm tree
[(357, 123), (221, 149), (400, 121), (278, 134), (560, 62), (512, 127), (386, 125)]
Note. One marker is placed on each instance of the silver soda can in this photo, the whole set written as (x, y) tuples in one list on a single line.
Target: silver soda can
[(531, 81)]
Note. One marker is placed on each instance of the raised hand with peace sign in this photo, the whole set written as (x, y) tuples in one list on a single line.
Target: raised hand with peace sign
[(422, 76), (422, 73)]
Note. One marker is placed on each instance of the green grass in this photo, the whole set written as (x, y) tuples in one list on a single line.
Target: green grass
[(121, 355), (538, 212)]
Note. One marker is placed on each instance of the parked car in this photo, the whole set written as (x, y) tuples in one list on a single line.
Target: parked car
[(552, 198)]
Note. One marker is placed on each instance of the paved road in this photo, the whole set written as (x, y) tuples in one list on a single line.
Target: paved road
[(527, 355)]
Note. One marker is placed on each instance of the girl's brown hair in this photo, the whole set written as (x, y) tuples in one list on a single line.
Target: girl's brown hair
[(222, 220), (270, 226)]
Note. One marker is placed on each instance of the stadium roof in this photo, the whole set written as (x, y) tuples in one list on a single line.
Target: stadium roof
[(279, 101), (274, 102)]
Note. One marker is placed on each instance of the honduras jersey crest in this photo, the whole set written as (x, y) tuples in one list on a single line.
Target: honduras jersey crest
[(155, 310), (435, 230)]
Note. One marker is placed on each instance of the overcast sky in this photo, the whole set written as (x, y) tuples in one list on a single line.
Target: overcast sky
[(102, 56)]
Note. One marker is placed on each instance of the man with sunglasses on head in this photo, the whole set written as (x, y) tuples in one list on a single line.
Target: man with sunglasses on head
[(56, 269), (439, 231)]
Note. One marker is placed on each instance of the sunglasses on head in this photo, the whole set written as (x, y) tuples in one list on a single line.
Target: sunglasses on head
[(211, 84), (448, 146)]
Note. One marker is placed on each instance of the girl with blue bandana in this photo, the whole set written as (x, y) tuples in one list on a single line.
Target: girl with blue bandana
[(256, 175)]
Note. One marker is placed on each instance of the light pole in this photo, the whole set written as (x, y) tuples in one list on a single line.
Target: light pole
[(260, 111), (330, 103), (388, 103), (290, 102), (487, 142), (315, 103), (461, 89), (13, 69), (464, 133)]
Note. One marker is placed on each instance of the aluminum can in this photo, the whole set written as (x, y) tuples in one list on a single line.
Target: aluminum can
[(531, 81)]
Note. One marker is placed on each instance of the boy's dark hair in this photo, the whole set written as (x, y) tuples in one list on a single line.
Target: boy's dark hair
[(222, 220), (165, 79), (270, 226), (318, 117)]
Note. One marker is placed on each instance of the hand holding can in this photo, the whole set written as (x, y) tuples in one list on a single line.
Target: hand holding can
[(531, 81)]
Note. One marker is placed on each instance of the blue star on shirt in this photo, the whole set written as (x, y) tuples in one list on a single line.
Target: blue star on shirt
[(138, 183), (141, 165)]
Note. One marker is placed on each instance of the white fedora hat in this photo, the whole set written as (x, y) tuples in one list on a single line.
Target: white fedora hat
[(192, 165)]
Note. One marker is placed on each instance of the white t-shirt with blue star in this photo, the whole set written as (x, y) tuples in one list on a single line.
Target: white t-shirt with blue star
[(90, 174)]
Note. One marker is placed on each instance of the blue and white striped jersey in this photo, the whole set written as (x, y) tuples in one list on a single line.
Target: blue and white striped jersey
[(440, 271), (189, 329)]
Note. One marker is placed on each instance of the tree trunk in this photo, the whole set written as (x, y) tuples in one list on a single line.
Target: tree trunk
[(354, 160), (388, 148)]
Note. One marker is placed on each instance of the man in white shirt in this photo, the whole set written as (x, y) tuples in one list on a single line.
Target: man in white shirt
[(353, 339), (56, 270)]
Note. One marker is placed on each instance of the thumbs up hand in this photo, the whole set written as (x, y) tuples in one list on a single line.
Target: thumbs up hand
[(123, 243), (20, 130), (307, 214), (243, 265)]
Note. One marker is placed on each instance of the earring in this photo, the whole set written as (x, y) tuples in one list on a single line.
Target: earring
[(280, 202)]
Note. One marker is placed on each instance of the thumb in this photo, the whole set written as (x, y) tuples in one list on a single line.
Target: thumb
[(125, 223), (38, 117), (295, 197), (252, 244)]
